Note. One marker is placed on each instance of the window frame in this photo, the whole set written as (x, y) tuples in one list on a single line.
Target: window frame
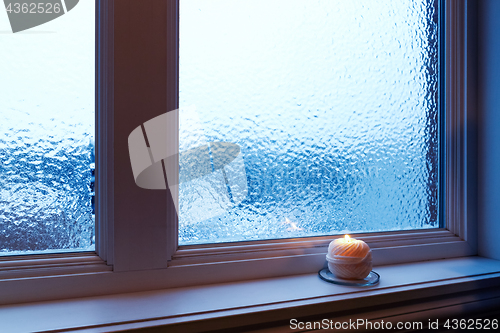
[(136, 232), (457, 238)]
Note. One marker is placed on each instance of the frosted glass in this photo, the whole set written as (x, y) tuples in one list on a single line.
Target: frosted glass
[(334, 105), (47, 134)]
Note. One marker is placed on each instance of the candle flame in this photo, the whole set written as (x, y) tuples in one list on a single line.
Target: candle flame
[(347, 238)]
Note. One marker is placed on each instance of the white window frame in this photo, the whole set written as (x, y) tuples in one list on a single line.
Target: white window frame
[(136, 232)]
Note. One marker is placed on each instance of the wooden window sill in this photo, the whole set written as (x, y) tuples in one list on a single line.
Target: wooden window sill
[(230, 305)]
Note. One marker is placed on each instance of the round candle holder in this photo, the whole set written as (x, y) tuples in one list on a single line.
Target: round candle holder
[(372, 279)]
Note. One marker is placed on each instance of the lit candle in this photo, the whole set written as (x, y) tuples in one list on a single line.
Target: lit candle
[(349, 258)]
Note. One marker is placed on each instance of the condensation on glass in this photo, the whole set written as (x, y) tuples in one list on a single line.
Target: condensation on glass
[(334, 105), (47, 134)]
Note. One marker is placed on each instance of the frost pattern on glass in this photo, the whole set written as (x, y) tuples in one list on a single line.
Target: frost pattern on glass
[(47, 134), (333, 103)]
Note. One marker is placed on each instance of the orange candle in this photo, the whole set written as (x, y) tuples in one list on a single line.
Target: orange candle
[(349, 258)]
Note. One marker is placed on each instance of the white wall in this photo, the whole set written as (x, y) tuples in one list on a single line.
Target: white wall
[(489, 128)]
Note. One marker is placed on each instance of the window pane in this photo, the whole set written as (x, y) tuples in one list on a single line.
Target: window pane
[(47, 133), (333, 104)]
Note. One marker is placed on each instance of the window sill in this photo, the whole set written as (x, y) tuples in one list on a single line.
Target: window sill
[(258, 301)]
